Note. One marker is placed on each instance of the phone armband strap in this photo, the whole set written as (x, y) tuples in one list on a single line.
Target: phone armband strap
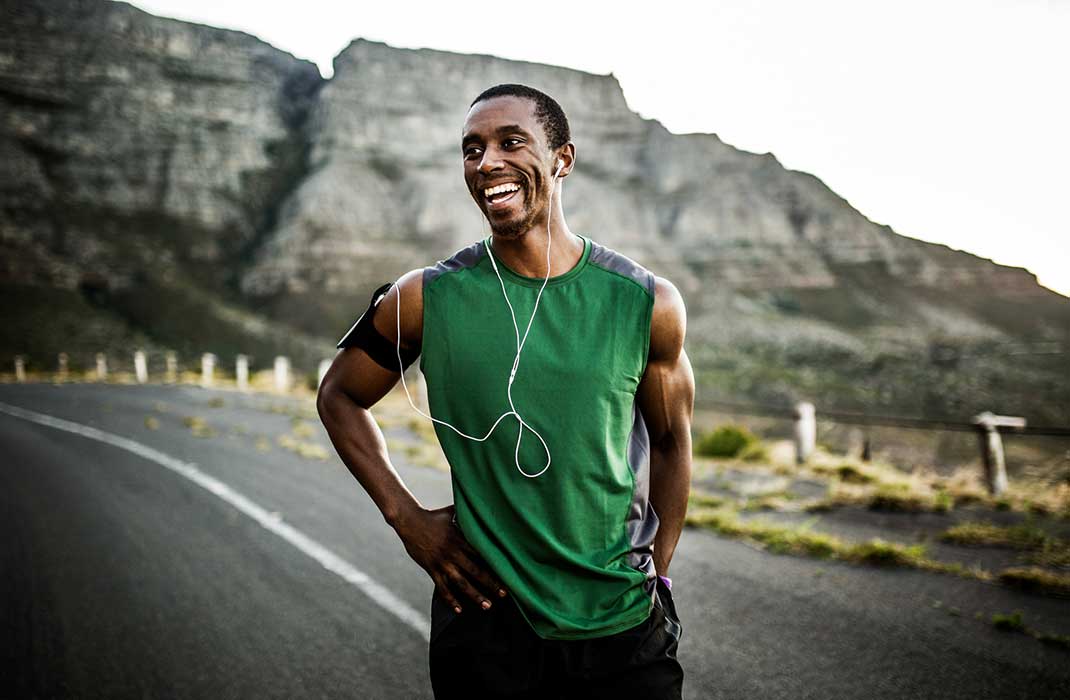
[(365, 336)]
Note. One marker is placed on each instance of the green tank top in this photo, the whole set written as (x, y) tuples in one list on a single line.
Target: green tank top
[(574, 545)]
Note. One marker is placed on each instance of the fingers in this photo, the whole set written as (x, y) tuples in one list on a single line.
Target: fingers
[(471, 563), (464, 579), (447, 595), (459, 582)]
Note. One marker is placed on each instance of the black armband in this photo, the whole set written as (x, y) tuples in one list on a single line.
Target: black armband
[(365, 336)]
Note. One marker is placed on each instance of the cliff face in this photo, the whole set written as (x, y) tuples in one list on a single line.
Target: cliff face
[(113, 117), (198, 186), (140, 156)]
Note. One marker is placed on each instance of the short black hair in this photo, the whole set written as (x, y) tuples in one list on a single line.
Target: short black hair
[(547, 111)]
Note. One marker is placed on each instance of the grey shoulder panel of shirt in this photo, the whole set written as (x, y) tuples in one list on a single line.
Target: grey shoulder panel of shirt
[(464, 258), (611, 260)]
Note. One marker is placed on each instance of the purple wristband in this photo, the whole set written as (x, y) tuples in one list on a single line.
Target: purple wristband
[(666, 580)]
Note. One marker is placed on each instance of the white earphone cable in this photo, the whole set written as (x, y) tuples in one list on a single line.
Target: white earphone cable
[(516, 358)]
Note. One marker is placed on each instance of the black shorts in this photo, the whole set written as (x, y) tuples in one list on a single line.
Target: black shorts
[(496, 654)]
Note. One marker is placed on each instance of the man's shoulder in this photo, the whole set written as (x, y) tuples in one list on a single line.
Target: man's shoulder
[(465, 258), (612, 261)]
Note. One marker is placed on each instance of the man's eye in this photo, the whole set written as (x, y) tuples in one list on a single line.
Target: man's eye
[(472, 151), (509, 143)]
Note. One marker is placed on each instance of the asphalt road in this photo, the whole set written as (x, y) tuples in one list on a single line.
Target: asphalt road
[(121, 578)]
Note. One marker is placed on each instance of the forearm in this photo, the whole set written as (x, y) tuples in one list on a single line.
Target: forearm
[(670, 485), (360, 443)]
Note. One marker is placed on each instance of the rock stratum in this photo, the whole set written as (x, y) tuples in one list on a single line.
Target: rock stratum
[(179, 186)]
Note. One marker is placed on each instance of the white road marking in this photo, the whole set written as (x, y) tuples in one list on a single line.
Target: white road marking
[(267, 519)]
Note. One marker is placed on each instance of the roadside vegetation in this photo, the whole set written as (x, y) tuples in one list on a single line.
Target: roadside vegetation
[(731, 488), (1015, 622)]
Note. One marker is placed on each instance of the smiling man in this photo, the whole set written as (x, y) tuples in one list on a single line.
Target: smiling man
[(562, 398)]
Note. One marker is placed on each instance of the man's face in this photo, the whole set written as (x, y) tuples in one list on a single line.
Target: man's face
[(505, 151)]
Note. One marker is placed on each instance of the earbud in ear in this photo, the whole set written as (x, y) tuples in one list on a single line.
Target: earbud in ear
[(560, 164)]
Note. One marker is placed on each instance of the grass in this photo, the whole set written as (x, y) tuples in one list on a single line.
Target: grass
[(1022, 536), (1044, 549), (301, 429), (308, 450), (731, 441), (801, 541), (1036, 580), (884, 487), (198, 427), (152, 423), (1009, 623), (1015, 622)]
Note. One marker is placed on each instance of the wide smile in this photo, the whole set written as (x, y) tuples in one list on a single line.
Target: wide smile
[(501, 196)]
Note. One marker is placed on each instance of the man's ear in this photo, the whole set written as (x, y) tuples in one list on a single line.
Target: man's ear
[(566, 155)]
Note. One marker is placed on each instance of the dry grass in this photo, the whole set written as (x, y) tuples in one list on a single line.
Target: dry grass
[(1023, 536), (301, 429), (883, 487), (802, 541), (198, 427), (1015, 622), (308, 450), (1036, 580)]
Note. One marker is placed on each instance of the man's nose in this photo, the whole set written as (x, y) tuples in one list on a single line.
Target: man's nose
[(490, 162)]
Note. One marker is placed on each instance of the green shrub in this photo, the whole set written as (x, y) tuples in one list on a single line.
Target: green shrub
[(1010, 623), (727, 441)]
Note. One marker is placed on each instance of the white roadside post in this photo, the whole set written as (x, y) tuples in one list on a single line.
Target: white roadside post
[(20, 369), (102, 367), (805, 431), (322, 371), (171, 371), (988, 425), (141, 367), (241, 372), (282, 374), (61, 367), (207, 369), (420, 397)]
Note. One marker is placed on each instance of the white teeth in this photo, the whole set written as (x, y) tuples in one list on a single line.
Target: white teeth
[(507, 187)]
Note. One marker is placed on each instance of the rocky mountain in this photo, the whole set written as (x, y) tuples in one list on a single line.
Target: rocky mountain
[(189, 187)]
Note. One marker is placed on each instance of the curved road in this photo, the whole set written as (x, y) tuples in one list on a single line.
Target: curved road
[(122, 578)]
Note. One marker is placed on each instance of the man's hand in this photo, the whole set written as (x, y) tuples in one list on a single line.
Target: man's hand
[(435, 542)]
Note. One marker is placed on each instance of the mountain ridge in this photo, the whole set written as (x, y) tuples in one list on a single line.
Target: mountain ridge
[(152, 164)]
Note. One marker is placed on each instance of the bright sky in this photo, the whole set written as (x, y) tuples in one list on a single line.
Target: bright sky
[(948, 120)]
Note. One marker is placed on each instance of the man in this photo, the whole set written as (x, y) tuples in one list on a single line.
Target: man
[(550, 569)]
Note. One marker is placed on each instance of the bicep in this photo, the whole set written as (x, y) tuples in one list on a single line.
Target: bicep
[(667, 389), (666, 397)]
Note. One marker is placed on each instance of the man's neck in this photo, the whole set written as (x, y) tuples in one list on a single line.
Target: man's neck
[(526, 254)]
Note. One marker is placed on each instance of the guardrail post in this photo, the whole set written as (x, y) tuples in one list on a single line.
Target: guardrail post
[(241, 372), (805, 431), (171, 371), (102, 367), (282, 374), (207, 369), (988, 425), (141, 367), (20, 369), (61, 367), (322, 371)]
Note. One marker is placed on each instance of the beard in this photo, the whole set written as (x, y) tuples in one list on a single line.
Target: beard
[(516, 227)]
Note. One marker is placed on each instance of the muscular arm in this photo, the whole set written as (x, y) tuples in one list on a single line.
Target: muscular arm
[(352, 385), (666, 399)]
